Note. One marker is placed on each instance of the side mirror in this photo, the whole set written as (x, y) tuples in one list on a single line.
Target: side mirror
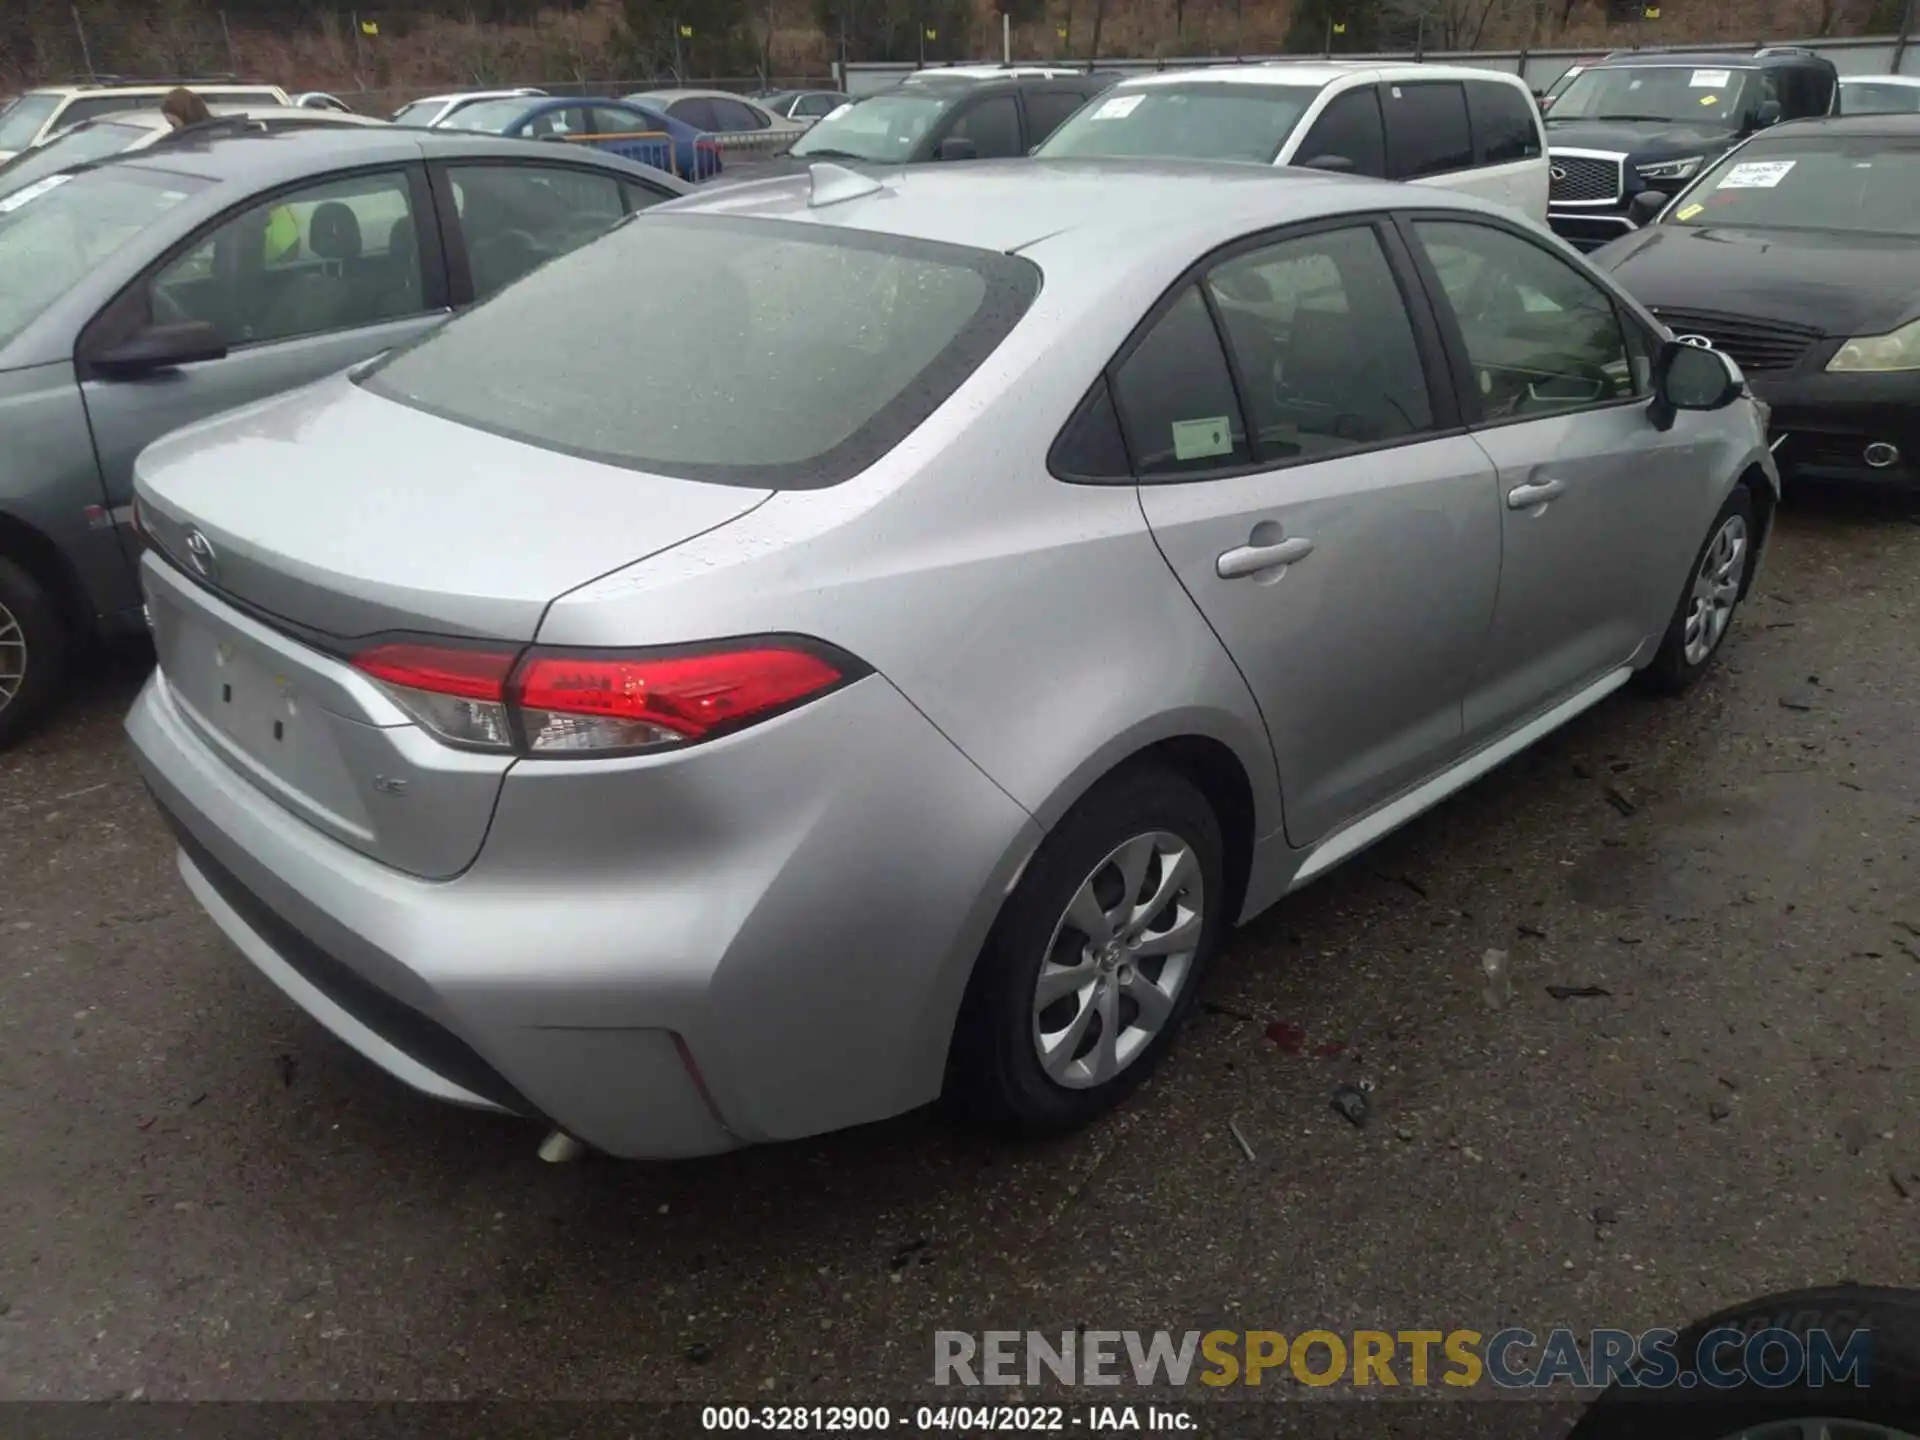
[(1338, 164), (1689, 377), (957, 147), (1646, 206), (1767, 115), (160, 347)]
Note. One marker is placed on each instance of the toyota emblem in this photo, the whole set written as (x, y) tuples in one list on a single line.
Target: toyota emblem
[(1556, 172), (200, 553), (1698, 342)]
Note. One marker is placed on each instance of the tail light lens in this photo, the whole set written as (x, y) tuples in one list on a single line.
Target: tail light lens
[(560, 703)]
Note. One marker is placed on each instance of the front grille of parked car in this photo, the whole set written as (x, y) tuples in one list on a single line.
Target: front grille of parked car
[(1577, 179), (1755, 345)]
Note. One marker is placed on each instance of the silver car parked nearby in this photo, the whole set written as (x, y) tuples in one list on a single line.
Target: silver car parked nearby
[(889, 661)]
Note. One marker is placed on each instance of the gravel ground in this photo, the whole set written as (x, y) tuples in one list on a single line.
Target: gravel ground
[(205, 1196)]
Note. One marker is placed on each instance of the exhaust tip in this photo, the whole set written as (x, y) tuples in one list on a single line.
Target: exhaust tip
[(1880, 455), (560, 1148)]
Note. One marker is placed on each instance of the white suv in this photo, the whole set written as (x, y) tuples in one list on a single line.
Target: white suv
[(43, 113), (1463, 128)]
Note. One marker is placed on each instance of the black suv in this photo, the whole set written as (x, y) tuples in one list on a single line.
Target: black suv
[(963, 113), (1649, 121)]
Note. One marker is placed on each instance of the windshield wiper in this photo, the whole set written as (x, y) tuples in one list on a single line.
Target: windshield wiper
[(827, 152), (1655, 119)]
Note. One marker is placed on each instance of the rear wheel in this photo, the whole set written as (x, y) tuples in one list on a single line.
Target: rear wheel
[(1714, 588), (1096, 958), (33, 652)]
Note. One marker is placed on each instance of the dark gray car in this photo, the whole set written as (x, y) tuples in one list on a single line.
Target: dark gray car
[(146, 292)]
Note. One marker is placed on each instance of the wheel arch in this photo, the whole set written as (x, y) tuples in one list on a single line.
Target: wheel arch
[(42, 559), (1766, 501)]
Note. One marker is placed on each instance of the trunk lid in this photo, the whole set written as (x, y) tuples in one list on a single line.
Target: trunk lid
[(293, 529)]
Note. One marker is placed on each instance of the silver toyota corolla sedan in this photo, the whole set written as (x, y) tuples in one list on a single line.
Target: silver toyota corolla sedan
[(838, 641)]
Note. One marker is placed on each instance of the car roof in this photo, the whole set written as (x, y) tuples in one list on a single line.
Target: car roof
[(1908, 80), (1708, 59), (688, 93), (509, 94), (291, 155), (226, 86), (1313, 72), (1104, 214)]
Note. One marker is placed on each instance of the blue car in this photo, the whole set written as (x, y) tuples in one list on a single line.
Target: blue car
[(637, 132)]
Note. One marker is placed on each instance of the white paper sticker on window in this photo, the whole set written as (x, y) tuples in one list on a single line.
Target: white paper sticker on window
[(1711, 79), (1118, 107), (1196, 439), (32, 192), (1755, 175)]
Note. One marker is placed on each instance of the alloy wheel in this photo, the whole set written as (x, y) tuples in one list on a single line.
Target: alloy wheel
[(1716, 589), (1118, 960), (1811, 1428), (13, 656)]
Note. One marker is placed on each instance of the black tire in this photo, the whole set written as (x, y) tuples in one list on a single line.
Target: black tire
[(1671, 672), (25, 603), (1889, 1396), (995, 1077)]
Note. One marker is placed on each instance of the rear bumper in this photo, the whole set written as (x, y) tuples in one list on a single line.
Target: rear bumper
[(1823, 426), (763, 938)]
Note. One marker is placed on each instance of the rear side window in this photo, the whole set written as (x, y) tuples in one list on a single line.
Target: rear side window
[(1046, 109), (1504, 127), (697, 112), (1426, 128), (803, 354), (1348, 129), (734, 116), (994, 127), (1176, 400)]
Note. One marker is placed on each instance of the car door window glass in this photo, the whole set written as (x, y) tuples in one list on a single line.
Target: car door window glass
[(517, 217), (1348, 129), (1540, 337), (696, 111), (1046, 109), (994, 127), (733, 115), (608, 120), (642, 197), (1326, 355), (330, 257), (1175, 397), (1426, 128), (812, 107), (567, 121), (1504, 127)]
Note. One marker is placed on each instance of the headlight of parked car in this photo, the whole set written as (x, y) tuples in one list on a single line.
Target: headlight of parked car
[(1671, 169), (1896, 350)]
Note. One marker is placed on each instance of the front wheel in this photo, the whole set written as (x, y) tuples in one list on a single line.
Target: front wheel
[(1714, 588), (33, 653), (1095, 959)]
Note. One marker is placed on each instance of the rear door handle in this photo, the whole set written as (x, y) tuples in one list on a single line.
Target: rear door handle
[(1253, 559), (1526, 497)]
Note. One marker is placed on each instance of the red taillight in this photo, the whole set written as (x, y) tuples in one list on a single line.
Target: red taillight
[(624, 702), (595, 702), (457, 693)]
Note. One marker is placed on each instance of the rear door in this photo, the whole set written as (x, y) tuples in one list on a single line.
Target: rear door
[(1428, 137), (1509, 151), (1307, 481), (299, 284), (1558, 380)]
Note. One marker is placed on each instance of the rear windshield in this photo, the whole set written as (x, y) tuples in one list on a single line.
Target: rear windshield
[(1218, 121), (748, 352), (1859, 184), (882, 128), (55, 230), (75, 147), (22, 120)]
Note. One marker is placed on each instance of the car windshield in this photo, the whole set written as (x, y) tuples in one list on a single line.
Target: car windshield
[(1671, 94), (881, 128), (1861, 184), (74, 147), (1876, 97), (493, 117), (1199, 121), (22, 120), (57, 229), (802, 354)]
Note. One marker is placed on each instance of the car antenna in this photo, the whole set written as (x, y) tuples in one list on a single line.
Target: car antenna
[(835, 183)]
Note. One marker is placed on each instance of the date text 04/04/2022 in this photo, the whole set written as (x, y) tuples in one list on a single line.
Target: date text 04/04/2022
[(961, 1419)]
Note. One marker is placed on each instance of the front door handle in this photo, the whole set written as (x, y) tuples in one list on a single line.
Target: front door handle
[(1526, 497), (1253, 559)]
